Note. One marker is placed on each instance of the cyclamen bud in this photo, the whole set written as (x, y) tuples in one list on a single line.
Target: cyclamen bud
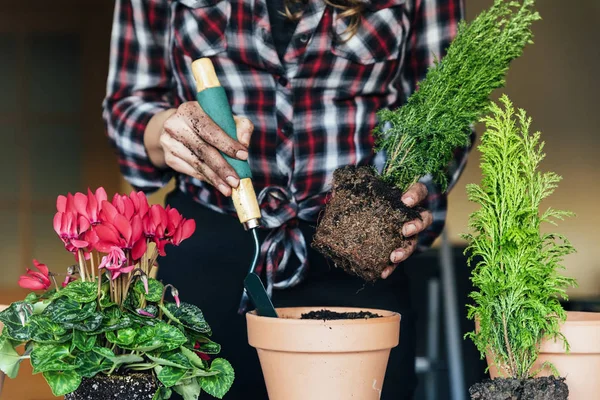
[(175, 294), (144, 279)]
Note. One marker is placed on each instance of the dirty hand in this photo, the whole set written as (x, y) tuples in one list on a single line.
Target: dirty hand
[(413, 196), (188, 141)]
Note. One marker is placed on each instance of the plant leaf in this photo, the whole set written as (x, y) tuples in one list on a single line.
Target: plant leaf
[(155, 289), (170, 336), (123, 337), (13, 318), (51, 357), (83, 341), (65, 310), (91, 324), (169, 375), (190, 316), (91, 363), (218, 385), (81, 292), (10, 360), (189, 389), (62, 382), (192, 357), (182, 363), (163, 393)]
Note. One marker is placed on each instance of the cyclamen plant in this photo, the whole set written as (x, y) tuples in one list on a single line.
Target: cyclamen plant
[(108, 315)]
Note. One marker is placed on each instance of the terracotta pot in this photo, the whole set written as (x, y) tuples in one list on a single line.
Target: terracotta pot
[(316, 359), (580, 367)]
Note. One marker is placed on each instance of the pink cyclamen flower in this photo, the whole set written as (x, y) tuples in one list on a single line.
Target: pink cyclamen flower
[(115, 262), (36, 280), (118, 230), (71, 228), (140, 203), (90, 206)]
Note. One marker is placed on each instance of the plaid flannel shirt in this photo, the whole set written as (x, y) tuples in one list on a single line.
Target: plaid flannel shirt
[(313, 110)]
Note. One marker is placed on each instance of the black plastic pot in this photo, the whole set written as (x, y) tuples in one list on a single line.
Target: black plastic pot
[(140, 386)]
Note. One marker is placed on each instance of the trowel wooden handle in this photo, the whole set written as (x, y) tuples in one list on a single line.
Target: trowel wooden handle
[(212, 98)]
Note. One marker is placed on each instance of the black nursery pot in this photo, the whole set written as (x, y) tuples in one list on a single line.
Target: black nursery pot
[(543, 388), (140, 386)]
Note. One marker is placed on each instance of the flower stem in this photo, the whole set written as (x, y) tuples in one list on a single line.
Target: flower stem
[(81, 264), (54, 279), (93, 267)]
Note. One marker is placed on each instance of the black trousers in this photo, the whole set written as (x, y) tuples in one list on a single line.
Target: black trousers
[(208, 269)]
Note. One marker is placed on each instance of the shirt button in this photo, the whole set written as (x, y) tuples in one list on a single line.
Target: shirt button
[(304, 38), (283, 81)]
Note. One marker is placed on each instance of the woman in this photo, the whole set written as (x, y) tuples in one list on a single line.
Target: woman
[(305, 79)]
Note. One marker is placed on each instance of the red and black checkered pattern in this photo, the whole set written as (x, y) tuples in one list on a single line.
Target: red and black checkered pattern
[(313, 110)]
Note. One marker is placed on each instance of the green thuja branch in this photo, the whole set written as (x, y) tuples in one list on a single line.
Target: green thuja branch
[(518, 286), (436, 119)]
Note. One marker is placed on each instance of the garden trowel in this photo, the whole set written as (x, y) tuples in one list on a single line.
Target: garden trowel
[(212, 98)]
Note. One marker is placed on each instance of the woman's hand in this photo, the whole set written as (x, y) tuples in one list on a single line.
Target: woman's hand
[(188, 141), (413, 196)]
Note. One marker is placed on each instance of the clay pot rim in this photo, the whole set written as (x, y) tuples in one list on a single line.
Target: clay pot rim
[(386, 316)]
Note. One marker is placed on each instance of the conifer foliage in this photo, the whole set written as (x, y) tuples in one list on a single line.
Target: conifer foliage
[(419, 138), (517, 279)]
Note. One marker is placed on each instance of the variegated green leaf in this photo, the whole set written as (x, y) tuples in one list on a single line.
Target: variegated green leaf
[(218, 385), (81, 292), (91, 363), (83, 341), (64, 310), (155, 289), (190, 316), (62, 382), (123, 337), (169, 375)]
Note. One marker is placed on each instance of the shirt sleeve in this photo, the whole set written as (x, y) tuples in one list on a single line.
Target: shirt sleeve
[(138, 86), (434, 24)]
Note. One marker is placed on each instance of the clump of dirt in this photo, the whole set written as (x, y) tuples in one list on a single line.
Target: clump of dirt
[(137, 385), (543, 388), (362, 222), (327, 315)]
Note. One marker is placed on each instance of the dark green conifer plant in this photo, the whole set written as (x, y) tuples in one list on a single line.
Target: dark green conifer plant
[(517, 280), (455, 93)]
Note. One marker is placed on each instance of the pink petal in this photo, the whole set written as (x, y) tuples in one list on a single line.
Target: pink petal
[(126, 270), (27, 282), (188, 228), (39, 276), (174, 217), (108, 211), (43, 268), (57, 223), (123, 226), (101, 195), (84, 224), (80, 200), (61, 203), (80, 244), (108, 233), (129, 209), (139, 248), (104, 246), (136, 228), (105, 260)]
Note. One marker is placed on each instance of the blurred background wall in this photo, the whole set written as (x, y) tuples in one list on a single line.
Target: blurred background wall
[(53, 65)]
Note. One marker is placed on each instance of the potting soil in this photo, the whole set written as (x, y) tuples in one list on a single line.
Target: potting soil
[(543, 388), (327, 315), (362, 222), (140, 386)]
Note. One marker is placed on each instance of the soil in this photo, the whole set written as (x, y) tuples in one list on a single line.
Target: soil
[(543, 388), (362, 222), (138, 386), (327, 315)]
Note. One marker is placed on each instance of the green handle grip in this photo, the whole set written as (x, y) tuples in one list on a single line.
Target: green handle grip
[(214, 102)]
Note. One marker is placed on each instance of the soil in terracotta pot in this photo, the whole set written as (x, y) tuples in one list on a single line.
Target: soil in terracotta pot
[(362, 222), (327, 315), (543, 388), (139, 386)]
